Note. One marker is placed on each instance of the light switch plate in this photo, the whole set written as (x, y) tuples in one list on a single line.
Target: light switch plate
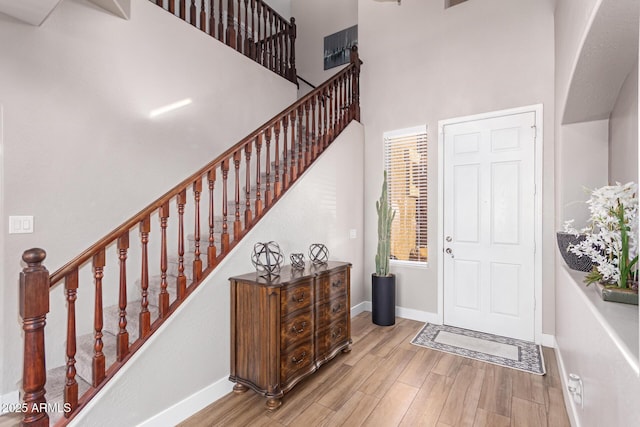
[(353, 233), (21, 224)]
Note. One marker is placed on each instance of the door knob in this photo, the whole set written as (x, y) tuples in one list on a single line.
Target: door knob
[(449, 251)]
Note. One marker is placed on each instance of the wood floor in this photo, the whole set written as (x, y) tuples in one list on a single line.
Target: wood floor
[(386, 381)]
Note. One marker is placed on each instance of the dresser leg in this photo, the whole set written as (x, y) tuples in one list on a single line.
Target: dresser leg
[(273, 403), (239, 388), (347, 349)]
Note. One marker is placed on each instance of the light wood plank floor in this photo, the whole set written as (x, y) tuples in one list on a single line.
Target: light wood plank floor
[(386, 381)]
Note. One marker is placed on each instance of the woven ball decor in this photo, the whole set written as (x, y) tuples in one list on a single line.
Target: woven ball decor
[(318, 253), (297, 261), (267, 259)]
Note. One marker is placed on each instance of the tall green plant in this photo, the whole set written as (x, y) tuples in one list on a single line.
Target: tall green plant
[(624, 263), (385, 218)]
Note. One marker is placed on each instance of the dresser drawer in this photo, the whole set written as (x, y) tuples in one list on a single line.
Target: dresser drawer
[(295, 360), (295, 329), (330, 311), (332, 285), (295, 298), (332, 337)]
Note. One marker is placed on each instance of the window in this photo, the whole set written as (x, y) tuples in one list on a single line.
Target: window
[(406, 166)]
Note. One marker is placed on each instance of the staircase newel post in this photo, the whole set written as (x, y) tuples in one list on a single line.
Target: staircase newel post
[(292, 50), (34, 306), (355, 86)]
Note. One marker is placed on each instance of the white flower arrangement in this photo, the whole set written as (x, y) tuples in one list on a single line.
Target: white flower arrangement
[(611, 236)]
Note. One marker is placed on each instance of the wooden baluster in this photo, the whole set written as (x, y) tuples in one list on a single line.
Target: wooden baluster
[(285, 153), (355, 59), (160, 3), (192, 14), (211, 249), (271, 41), (341, 104), (279, 29), (220, 22), (268, 195), (98, 357), (292, 161), (254, 38), (314, 141), (225, 231), (285, 58), (145, 315), (257, 54), (320, 139), (183, 9), (307, 153), (163, 298), (181, 280), (300, 142), (239, 43), (292, 51), (34, 306), (197, 262), (277, 188), (71, 385), (264, 43), (247, 37), (326, 101), (349, 95), (247, 188), (237, 224), (172, 6), (336, 125), (122, 343), (258, 208), (345, 101), (203, 16), (332, 98), (231, 30), (212, 18)]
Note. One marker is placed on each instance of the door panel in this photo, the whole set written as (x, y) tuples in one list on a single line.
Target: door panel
[(489, 215)]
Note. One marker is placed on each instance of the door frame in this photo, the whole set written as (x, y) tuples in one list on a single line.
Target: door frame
[(538, 163)]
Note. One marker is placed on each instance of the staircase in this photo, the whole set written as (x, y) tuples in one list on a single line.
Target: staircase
[(157, 258)]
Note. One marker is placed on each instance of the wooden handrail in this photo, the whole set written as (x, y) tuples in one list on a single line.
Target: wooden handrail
[(275, 155), (251, 27)]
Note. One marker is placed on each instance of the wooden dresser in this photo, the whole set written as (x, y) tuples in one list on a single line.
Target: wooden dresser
[(285, 328)]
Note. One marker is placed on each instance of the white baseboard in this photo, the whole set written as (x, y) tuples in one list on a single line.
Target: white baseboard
[(572, 411), (419, 315), (405, 313), (548, 340), (189, 406), (360, 308)]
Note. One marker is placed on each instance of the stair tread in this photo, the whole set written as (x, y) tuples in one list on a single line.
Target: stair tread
[(112, 318), (56, 380)]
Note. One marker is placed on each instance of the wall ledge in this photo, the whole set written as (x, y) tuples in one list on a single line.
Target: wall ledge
[(620, 321)]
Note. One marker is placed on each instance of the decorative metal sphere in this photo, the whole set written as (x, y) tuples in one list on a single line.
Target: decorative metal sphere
[(318, 253), (297, 261), (267, 258)]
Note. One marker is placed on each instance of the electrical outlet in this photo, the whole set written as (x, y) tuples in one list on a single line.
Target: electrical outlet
[(20, 224)]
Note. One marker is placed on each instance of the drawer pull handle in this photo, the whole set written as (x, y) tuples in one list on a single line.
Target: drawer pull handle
[(298, 330), (301, 358), (299, 297), (336, 334), (337, 308), (337, 283)]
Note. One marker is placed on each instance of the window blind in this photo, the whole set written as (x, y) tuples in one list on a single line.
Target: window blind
[(406, 166)]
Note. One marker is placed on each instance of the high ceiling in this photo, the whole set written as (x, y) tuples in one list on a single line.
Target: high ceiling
[(35, 12)]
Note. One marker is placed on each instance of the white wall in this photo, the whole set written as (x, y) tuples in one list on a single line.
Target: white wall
[(315, 20), (423, 64), (623, 137), (81, 153), (321, 207), (283, 7), (582, 158)]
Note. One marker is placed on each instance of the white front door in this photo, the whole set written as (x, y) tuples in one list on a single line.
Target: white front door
[(489, 222)]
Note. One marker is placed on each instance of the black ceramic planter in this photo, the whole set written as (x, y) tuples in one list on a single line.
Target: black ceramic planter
[(383, 299)]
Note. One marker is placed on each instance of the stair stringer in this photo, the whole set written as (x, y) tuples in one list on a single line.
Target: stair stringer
[(162, 382)]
